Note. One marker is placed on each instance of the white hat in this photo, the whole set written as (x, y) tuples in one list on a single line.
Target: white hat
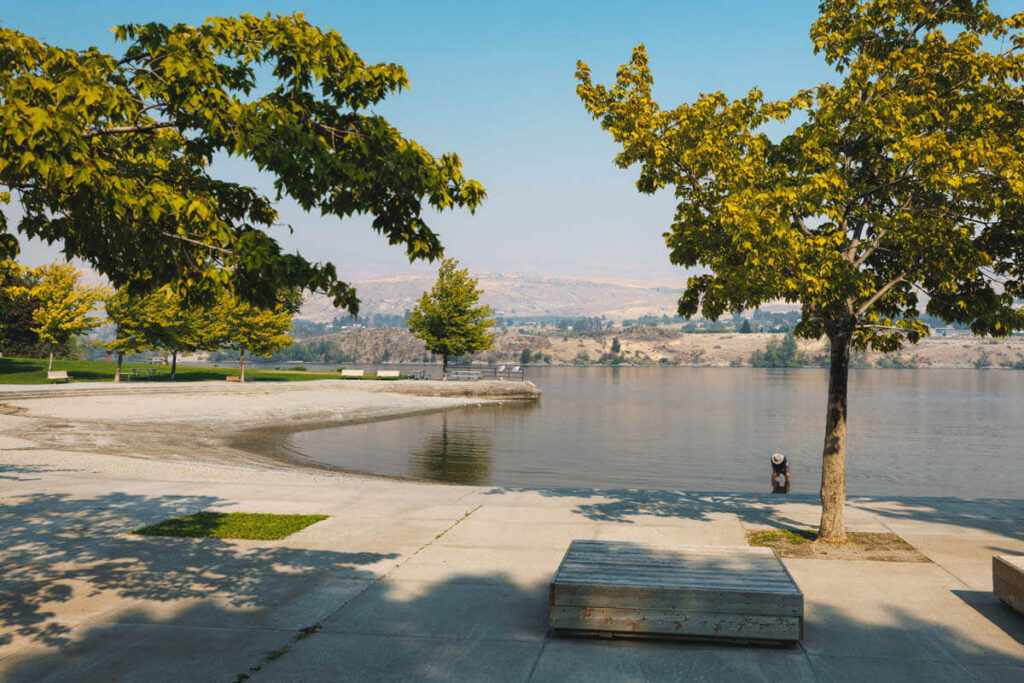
[(777, 458)]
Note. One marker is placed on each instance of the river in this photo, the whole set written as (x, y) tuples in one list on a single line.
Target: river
[(911, 433)]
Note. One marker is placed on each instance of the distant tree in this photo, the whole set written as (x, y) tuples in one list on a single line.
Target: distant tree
[(448, 319), (128, 315), (745, 328), (109, 155), (239, 325), (64, 306), (903, 174), (779, 354), (525, 356), (158, 320), (16, 310), (616, 346)]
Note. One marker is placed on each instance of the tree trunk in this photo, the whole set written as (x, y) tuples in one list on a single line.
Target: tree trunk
[(174, 363), (50, 368), (444, 367), (241, 364), (117, 370), (833, 457)]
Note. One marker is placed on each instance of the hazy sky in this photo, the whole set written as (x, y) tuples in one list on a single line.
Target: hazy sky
[(494, 83)]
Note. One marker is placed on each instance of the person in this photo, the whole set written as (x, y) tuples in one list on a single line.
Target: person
[(780, 465)]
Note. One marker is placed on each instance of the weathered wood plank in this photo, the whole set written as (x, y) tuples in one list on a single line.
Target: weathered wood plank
[(752, 627), (1008, 580), (672, 598), (734, 592)]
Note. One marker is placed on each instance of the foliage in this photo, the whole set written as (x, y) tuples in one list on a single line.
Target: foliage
[(780, 354), (240, 325), (745, 328), (111, 155), (17, 309), (448, 319), (616, 345), (905, 175), (64, 304), (983, 361), (249, 525)]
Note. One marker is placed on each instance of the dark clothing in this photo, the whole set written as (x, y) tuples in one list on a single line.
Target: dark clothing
[(782, 467)]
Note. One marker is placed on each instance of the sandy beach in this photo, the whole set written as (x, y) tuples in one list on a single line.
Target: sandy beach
[(211, 431)]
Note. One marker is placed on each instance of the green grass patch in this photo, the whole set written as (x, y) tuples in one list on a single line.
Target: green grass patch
[(248, 525), (769, 538), (33, 371)]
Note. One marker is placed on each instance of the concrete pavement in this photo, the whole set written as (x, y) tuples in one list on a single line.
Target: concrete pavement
[(411, 581)]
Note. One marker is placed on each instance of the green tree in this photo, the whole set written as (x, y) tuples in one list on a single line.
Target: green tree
[(16, 310), (157, 320), (616, 346), (525, 356), (779, 354), (64, 306), (111, 156), (905, 175), (745, 328), (237, 324), (447, 317)]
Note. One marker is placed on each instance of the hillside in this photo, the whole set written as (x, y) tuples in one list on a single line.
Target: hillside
[(516, 295), (649, 345)]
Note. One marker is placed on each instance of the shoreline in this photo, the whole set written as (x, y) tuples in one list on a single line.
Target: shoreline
[(210, 426)]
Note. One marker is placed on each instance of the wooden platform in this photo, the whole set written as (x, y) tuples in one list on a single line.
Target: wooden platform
[(633, 589), (1008, 580)]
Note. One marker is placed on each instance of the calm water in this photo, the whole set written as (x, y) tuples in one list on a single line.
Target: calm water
[(911, 433)]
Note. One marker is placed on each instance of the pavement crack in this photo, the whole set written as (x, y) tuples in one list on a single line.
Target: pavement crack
[(307, 631)]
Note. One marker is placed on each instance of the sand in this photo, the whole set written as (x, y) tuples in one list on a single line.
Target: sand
[(209, 430)]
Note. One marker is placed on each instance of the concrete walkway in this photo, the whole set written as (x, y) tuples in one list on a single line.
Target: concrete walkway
[(440, 583)]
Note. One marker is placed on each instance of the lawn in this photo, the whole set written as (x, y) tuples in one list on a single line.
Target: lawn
[(247, 525), (33, 371)]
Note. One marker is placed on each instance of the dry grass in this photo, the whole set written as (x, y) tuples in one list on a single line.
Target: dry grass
[(860, 545)]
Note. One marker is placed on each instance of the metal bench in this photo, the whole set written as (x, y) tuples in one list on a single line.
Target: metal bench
[(633, 589), (1008, 580), (463, 375), (57, 376)]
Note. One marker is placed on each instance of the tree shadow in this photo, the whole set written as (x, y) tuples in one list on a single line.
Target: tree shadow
[(67, 559), (1003, 516)]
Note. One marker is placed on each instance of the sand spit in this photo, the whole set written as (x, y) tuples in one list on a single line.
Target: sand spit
[(210, 424)]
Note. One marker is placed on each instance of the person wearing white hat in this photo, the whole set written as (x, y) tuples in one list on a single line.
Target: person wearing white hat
[(780, 465)]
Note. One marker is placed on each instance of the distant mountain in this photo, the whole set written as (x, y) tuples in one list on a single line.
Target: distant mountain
[(517, 295)]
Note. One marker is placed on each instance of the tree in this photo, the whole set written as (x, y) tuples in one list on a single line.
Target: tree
[(158, 320), (905, 176), (447, 318), (16, 310), (745, 328), (64, 306), (616, 346), (111, 156), (240, 325)]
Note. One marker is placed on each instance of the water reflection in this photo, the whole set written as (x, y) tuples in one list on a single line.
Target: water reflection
[(458, 454), (778, 487)]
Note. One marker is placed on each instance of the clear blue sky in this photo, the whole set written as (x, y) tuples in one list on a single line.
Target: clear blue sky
[(494, 83)]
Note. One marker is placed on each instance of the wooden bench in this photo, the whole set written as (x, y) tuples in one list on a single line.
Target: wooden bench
[(388, 374), (57, 376), (351, 373), (1008, 580), (632, 589), (233, 378)]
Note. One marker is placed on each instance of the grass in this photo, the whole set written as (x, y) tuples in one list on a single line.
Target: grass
[(769, 538), (248, 525), (859, 545), (33, 371)]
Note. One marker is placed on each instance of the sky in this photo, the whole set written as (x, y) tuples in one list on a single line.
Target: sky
[(494, 83)]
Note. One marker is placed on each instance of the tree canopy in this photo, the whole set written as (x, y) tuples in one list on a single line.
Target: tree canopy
[(900, 187), (110, 156), (447, 318), (64, 305)]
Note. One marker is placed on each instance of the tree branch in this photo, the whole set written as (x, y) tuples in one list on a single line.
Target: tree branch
[(880, 293), (117, 130), (211, 247)]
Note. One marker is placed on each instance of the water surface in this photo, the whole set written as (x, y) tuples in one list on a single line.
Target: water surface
[(911, 433)]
